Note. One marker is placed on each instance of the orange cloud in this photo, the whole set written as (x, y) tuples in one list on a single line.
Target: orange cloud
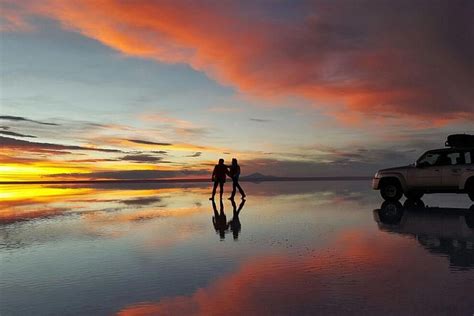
[(342, 56)]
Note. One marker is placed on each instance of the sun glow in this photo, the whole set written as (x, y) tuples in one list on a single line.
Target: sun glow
[(19, 172)]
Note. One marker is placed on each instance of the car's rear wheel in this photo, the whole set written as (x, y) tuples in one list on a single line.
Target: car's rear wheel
[(470, 188), (471, 194), (414, 195), (391, 190)]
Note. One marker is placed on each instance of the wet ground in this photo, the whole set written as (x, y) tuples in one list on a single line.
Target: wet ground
[(291, 248)]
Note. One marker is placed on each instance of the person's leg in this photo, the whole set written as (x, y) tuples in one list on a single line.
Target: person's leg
[(234, 183), (214, 189), (221, 185), (240, 189)]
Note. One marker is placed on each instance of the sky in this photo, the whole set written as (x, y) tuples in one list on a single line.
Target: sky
[(103, 89)]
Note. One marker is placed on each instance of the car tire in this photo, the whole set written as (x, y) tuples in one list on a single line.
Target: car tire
[(471, 194), (469, 217), (391, 213), (470, 189), (414, 195), (391, 190)]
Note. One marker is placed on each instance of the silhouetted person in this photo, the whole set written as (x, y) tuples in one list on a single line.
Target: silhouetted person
[(218, 176), (234, 224), (234, 173), (219, 220)]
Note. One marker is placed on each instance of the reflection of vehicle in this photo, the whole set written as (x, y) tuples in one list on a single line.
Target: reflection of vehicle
[(442, 231), (448, 170)]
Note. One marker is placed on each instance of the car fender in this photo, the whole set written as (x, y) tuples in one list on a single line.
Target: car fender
[(399, 176), (464, 177)]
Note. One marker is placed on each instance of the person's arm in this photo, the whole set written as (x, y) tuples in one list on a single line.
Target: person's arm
[(214, 174)]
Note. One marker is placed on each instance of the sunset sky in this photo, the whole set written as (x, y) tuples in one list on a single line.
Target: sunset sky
[(103, 89)]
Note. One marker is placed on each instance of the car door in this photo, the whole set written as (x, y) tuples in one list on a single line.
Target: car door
[(426, 174), (428, 177), (451, 173)]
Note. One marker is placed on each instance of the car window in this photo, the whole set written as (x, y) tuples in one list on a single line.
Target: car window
[(428, 159), (444, 159), (455, 158), (468, 157)]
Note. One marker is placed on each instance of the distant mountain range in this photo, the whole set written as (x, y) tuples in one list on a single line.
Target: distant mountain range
[(256, 175), (259, 177)]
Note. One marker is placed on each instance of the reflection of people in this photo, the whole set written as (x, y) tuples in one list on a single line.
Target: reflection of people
[(218, 176), (234, 224), (219, 220), (234, 173)]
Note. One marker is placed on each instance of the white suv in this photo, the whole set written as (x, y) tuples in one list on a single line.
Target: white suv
[(447, 170)]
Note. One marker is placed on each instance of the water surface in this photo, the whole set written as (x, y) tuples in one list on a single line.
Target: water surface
[(294, 247)]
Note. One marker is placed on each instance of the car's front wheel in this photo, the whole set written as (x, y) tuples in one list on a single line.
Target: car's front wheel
[(391, 190)]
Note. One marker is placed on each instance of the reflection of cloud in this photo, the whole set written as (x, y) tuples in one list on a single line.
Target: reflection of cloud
[(8, 217), (23, 119), (142, 201), (345, 278), (376, 58)]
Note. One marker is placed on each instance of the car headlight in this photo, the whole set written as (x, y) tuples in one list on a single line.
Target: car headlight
[(377, 175)]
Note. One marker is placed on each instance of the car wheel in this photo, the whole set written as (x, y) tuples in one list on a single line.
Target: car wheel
[(470, 218), (414, 195), (391, 213), (391, 190), (470, 192)]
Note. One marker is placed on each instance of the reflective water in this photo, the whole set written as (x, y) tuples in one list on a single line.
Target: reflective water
[(292, 248)]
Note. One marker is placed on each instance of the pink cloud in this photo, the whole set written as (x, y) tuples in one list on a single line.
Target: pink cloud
[(354, 60)]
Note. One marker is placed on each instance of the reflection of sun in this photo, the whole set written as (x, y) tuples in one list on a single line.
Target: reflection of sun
[(11, 193)]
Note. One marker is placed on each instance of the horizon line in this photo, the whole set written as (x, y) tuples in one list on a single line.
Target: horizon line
[(190, 180)]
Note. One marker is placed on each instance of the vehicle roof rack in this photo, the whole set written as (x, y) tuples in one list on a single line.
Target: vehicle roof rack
[(459, 141)]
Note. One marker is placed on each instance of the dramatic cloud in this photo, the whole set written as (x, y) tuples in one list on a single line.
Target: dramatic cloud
[(196, 154), (134, 174), (142, 158), (146, 142), (8, 133), (410, 58), (24, 145), (23, 119), (260, 120)]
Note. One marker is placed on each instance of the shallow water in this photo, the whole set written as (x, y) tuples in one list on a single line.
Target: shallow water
[(294, 247)]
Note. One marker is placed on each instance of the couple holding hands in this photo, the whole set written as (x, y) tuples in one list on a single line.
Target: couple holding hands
[(221, 171)]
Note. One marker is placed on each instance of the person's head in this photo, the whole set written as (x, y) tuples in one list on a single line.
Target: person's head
[(234, 162), (221, 161)]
